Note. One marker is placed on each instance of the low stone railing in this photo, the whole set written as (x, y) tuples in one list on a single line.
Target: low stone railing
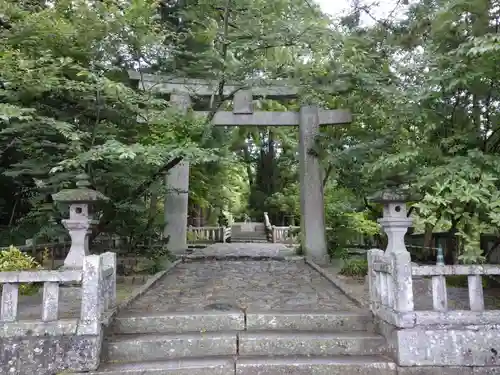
[(208, 234), (47, 335), (437, 337), (227, 232), (284, 234)]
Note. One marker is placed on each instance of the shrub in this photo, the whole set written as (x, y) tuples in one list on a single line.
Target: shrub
[(15, 260), (300, 250), (355, 267), (153, 260)]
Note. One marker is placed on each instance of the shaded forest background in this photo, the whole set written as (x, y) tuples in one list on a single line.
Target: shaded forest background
[(423, 86)]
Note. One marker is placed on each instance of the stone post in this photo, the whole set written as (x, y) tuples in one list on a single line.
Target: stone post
[(176, 198), (394, 222), (92, 303), (80, 201), (402, 281), (312, 222)]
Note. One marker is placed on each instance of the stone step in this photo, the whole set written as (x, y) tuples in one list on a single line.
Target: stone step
[(139, 348), (335, 365), (309, 321), (191, 366), (254, 237), (241, 240), (302, 343), (220, 321), (250, 235), (253, 233), (233, 239), (207, 321)]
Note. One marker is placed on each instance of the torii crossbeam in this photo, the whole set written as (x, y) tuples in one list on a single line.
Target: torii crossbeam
[(308, 119)]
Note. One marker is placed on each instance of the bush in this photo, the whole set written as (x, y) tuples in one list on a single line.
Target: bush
[(155, 259), (300, 249), (15, 260), (355, 267)]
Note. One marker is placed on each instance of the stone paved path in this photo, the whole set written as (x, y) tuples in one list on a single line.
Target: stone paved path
[(242, 285)]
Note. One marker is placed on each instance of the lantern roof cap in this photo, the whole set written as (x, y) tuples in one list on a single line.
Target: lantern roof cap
[(81, 194), (391, 194)]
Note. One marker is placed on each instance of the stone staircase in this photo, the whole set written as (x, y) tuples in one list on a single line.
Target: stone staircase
[(257, 235), (236, 343)]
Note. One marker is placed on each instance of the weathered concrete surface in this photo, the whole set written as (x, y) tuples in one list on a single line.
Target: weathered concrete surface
[(348, 365), (307, 344), (450, 370), (448, 346), (462, 346), (146, 348), (252, 286), (49, 355), (186, 366), (209, 321), (235, 321), (312, 321)]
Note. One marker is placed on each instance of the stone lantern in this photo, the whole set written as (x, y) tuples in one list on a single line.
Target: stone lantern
[(394, 221), (81, 202)]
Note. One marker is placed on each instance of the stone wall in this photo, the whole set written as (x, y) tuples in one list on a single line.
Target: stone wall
[(50, 344), (48, 355)]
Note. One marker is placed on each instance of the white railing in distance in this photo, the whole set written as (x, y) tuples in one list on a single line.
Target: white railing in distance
[(208, 234), (285, 234)]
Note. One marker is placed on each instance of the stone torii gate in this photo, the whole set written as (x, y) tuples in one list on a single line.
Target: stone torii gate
[(308, 119)]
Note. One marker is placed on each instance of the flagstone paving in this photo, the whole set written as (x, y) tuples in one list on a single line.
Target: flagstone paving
[(242, 285)]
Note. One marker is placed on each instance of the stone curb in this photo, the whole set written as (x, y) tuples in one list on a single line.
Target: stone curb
[(187, 258), (343, 287), (139, 291)]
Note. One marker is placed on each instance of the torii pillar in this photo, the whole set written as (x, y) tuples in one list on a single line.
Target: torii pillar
[(312, 206), (309, 119), (176, 202)]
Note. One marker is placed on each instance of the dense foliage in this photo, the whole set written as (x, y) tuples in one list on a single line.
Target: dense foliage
[(13, 259), (424, 88)]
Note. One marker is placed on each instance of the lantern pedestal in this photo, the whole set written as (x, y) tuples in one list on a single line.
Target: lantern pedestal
[(79, 232)]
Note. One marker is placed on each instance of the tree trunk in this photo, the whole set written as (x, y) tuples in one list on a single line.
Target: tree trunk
[(451, 250), (428, 237)]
